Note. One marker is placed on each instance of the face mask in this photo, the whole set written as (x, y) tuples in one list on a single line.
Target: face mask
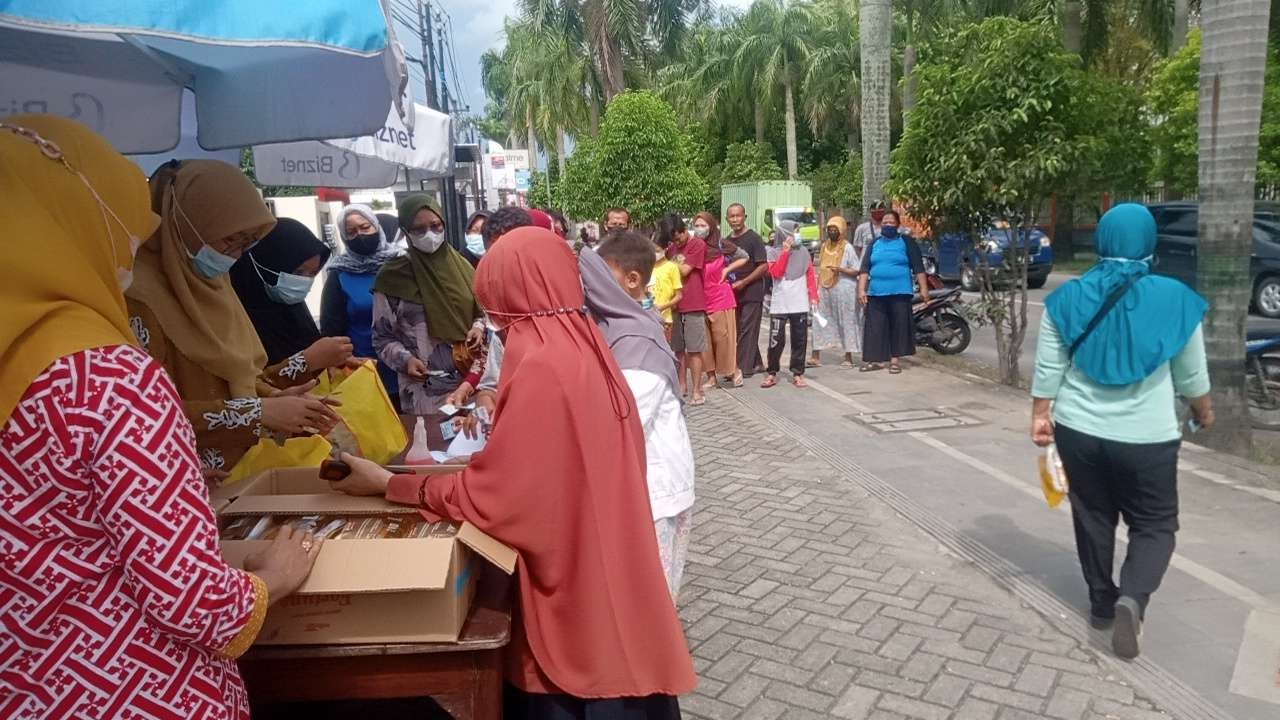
[(701, 233), (364, 244), (210, 263), (475, 243), (289, 289), (889, 231), (833, 235), (427, 242), (646, 304)]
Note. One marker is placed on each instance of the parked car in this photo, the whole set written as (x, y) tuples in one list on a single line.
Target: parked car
[(1178, 250), (957, 259)]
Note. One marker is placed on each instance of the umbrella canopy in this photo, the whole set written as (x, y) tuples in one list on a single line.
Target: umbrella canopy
[(368, 161), (263, 71)]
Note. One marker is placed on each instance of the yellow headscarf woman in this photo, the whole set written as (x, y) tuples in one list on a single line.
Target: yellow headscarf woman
[(832, 252), (78, 208)]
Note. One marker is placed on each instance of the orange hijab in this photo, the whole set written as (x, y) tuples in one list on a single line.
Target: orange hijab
[(596, 613)]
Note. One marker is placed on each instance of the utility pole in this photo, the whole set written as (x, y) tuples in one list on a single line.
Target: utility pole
[(428, 54)]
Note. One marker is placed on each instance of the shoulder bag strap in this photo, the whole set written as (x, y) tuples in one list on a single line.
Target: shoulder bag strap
[(1110, 302)]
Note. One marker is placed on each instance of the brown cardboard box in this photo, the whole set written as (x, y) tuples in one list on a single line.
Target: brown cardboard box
[(364, 591)]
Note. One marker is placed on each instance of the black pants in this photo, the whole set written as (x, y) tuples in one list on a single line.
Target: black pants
[(890, 330), (799, 323), (749, 315), (1110, 480), (520, 705)]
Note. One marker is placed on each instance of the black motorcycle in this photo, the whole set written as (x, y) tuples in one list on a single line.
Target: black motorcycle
[(939, 324)]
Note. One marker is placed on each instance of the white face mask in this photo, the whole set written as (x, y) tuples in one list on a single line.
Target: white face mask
[(427, 242)]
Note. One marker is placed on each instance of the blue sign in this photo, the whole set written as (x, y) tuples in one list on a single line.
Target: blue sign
[(523, 180)]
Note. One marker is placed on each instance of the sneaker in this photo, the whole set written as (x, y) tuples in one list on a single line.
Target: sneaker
[(1128, 629)]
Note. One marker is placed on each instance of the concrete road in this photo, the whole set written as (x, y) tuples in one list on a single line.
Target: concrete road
[(983, 348)]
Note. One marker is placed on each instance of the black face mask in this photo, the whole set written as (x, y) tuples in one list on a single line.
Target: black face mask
[(833, 235), (364, 244)]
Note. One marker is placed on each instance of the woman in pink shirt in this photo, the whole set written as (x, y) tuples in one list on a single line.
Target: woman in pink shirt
[(723, 257)]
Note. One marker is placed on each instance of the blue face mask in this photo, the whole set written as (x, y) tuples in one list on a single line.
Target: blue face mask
[(889, 231), (289, 289), (475, 243), (210, 263)]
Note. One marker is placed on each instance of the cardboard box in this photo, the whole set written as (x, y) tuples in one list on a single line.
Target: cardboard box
[(364, 591)]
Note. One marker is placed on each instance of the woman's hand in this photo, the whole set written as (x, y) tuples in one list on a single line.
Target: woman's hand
[(459, 397), (862, 297), (1202, 410), (285, 563), (329, 352), (298, 415), (475, 337), (366, 478), (788, 242), (1041, 422), (416, 370)]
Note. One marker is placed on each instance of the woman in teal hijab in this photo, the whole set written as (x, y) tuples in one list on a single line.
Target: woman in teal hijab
[(1110, 407)]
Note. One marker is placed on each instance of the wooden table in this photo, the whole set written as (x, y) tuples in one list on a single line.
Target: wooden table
[(465, 677)]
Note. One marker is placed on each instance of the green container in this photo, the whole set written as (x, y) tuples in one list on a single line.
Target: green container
[(770, 201)]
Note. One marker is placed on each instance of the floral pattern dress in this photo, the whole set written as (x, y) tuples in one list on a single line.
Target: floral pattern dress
[(839, 306), (117, 600)]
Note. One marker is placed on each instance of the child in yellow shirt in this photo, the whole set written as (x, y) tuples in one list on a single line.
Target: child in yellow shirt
[(665, 286)]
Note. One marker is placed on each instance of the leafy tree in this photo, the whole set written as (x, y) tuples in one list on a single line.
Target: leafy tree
[(1005, 119), (749, 162), (1173, 102), (775, 48), (641, 160), (832, 90), (838, 185)]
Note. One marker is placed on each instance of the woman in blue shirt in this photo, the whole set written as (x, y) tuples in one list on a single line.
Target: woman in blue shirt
[(346, 306), (890, 264), (1106, 396)]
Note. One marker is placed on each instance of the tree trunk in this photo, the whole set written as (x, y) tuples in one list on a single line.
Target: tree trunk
[(792, 160), (909, 87), (560, 151), (875, 29), (1232, 67), (533, 139), (1181, 12), (1073, 25), (760, 119), (594, 109), (609, 50)]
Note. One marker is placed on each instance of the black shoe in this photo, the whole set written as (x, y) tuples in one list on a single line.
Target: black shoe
[(1128, 629), (1098, 622)]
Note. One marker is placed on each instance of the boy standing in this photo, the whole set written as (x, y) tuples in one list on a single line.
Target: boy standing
[(614, 280), (667, 288), (689, 336)]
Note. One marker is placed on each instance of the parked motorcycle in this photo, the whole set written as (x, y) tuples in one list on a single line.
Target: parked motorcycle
[(1262, 379), (939, 324)]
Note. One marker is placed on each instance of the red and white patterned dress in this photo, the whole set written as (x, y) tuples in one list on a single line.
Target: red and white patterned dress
[(114, 599)]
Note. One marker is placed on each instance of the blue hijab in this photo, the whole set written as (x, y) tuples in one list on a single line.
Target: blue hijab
[(1151, 323)]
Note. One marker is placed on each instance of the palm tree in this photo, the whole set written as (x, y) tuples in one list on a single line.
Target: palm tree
[(832, 92), (775, 48), (707, 85), (921, 17), (1232, 68), (875, 30), (612, 31)]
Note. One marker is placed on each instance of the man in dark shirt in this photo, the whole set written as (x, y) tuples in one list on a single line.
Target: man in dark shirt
[(749, 287)]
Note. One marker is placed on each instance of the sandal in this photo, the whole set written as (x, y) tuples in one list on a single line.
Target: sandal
[(869, 367), (769, 381), (813, 363), (895, 369), (800, 382), (700, 400), (737, 379), (847, 364)]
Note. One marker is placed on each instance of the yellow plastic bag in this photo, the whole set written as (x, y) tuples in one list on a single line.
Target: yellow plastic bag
[(1053, 478), (268, 454), (370, 426)]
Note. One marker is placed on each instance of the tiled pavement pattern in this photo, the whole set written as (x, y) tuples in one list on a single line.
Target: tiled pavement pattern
[(805, 597)]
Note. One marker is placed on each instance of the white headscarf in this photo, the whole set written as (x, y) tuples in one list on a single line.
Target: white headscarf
[(354, 262)]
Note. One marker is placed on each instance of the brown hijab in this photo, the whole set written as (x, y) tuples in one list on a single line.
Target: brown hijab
[(203, 317)]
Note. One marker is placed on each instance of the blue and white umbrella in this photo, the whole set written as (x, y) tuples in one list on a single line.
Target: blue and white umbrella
[(263, 71)]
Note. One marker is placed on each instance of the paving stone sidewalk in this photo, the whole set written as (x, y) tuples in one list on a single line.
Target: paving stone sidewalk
[(805, 597)]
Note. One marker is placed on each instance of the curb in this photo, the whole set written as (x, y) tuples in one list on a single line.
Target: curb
[(1168, 692)]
